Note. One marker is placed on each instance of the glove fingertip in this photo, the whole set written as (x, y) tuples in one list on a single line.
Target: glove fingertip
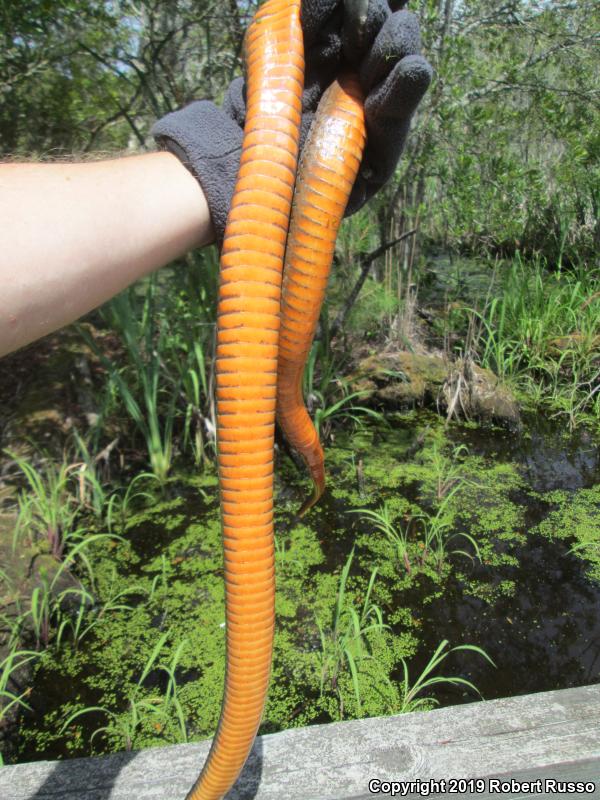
[(399, 37), (234, 102), (388, 112), (313, 15), (401, 92), (358, 197)]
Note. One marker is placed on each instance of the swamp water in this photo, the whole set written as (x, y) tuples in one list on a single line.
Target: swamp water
[(524, 500)]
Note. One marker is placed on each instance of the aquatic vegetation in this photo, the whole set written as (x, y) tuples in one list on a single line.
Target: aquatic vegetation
[(194, 380), (188, 317), (9, 622), (576, 516), (446, 469), (409, 693), (108, 504), (328, 397), (342, 410), (142, 709), (421, 536), (395, 534), (51, 607), (437, 534), (120, 504), (13, 663), (140, 385), (322, 368), (164, 574), (345, 640), (90, 612), (48, 509)]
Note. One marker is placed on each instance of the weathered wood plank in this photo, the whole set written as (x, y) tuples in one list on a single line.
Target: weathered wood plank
[(546, 735)]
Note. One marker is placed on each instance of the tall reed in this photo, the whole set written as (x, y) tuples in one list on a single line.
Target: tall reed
[(139, 383)]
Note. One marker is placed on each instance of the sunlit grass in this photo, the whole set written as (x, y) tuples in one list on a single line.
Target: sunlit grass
[(344, 640), (410, 691), (541, 333), (143, 708)]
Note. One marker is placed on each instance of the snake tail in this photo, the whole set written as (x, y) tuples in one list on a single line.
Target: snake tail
[(328, 168)]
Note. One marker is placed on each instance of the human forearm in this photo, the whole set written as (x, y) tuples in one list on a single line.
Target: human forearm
[(74, 235)]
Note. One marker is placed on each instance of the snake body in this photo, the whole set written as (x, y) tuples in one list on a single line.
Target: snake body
[(248, 333), (246, 374)]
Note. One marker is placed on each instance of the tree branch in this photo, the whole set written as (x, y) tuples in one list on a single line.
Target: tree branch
[(365, 263)]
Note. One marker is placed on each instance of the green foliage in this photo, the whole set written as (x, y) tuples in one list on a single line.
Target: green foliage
[(52, 608), (107, 504), (136, 323), (14, 661), (447, 469), (542, 333), (162, 374), (188, 316), (576, 516), (336, 654), (94, 76), (506, 156), (409, 693), (142, 710), (437, 534), (89, 612), (474, 512), (48, 509), (345, 640), (328, 396), (396, 534)]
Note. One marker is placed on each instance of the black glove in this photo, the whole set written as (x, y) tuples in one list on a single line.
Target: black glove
[(382, 43), (381, 46)]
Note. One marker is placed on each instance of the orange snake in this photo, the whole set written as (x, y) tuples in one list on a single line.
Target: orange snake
[(259, 369)]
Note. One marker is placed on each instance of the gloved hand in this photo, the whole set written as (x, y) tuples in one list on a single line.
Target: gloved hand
[(380, 45)]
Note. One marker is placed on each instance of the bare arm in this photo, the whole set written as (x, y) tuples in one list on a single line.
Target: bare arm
[(74, 235)]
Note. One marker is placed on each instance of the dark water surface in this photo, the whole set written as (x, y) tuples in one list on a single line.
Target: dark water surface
[(547, 635)]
